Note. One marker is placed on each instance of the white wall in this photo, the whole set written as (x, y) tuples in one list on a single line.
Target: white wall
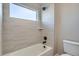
[(70, 21), (48, 24), (18, 33), (69, 15), (0, 28)]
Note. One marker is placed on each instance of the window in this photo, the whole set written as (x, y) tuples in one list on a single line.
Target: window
[(21, 12)]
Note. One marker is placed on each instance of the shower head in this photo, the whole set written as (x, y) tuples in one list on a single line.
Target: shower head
[(43, 8)]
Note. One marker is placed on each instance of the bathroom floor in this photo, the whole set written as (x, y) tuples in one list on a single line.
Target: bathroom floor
[(65, 55)]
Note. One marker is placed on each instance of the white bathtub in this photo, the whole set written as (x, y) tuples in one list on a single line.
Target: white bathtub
[(34, 50), (71, 47)]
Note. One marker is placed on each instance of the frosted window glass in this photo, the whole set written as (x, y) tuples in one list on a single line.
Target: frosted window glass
[(21, 12)]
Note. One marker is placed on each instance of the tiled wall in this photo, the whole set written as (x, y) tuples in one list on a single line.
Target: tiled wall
[(18, 33), (0, 28), (48, 23)]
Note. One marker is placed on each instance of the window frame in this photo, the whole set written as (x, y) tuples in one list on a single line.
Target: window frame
[(27, 7)]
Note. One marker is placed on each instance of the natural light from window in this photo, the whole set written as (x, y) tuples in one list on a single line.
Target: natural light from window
[(22, 13)]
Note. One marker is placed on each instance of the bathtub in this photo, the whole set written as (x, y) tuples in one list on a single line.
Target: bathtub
[(34, 50), (71, 47)]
